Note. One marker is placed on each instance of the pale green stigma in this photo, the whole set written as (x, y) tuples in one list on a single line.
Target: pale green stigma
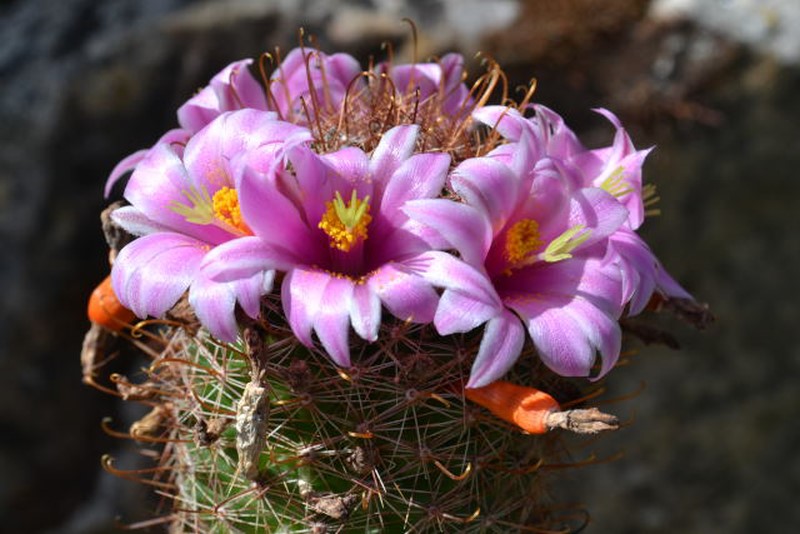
[(615, 185), (199, 210), (561, 247)]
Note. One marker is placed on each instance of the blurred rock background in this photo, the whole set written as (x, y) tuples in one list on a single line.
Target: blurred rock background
[(714, 84)]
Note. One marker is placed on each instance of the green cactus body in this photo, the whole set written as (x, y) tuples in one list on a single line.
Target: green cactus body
[(268, 436)]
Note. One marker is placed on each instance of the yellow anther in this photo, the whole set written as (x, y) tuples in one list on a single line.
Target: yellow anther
[(522, 239), (346, 224), (226, 209)]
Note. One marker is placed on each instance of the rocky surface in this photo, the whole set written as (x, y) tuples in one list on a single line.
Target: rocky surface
[(711, 445)]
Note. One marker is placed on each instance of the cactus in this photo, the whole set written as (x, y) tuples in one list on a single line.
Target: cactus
[(265, 435), (256, 426)]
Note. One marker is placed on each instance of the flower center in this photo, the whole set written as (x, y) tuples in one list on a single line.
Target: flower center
[(522, 239), (524, 244), (221, 210), (226, 209), (346, 224)]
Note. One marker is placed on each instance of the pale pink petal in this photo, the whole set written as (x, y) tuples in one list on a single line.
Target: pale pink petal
[(571, 309), (342, 69), (214, 304), (199, 110), (500, 347), (151, 273), (560, 141), (407, 296), (245, 256), (135, 222), (365, 312), (642, 273), (448, 272), (469, 298), (602, 332), (236, 88), (598, 211), (637, 268), (209, 152), (461, 312), (668, 286), (424, 77), (249, 291), (231, 89), (350, 163), (301, 293), (591, 278), (559, 339), (489, 186), (329, 78), (395, 147), (456, 93), (420, 176), (461, 226), (507, 121), (312, 188), (332, 320)]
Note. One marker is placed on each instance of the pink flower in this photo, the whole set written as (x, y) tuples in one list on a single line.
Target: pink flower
[(232, 88), (183, 204), (616, 169), (544, 228), (334, 223), (330, 76), (442, 81), (542, 240)]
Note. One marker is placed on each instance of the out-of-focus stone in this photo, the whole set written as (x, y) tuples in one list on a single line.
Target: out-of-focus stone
[(767, 25)]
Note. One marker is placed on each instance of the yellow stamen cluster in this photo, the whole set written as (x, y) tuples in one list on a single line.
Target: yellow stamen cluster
[(226, 209), (521, 240), (346, 224)]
